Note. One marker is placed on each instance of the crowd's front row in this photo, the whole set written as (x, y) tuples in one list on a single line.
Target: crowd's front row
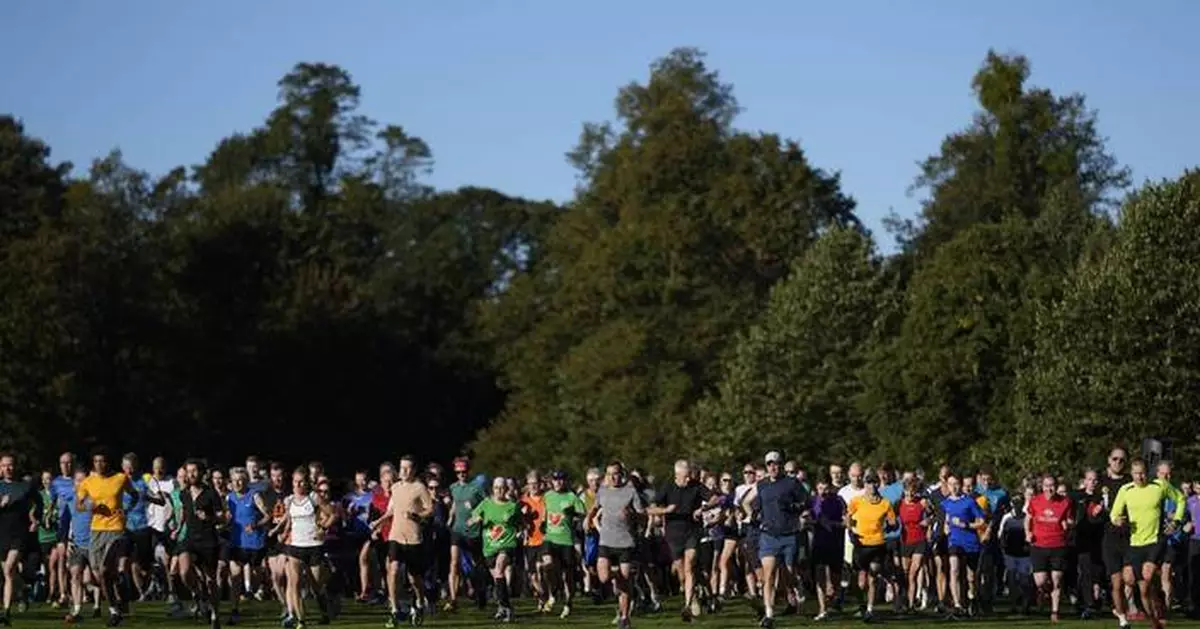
[(961, 544)]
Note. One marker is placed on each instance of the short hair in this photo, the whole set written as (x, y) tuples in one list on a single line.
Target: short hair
[(237, 471), (99, 451), (276, 466), (129, 456), (253, 458), (412, 460), (198, 463)]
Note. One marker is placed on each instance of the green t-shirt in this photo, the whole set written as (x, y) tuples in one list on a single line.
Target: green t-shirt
[(47, 526), (561, 510), (1143, 506), (466, 496), (177, 516), (500, 522)]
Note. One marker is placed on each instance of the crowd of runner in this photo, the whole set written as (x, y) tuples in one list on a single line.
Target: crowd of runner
[(103, 533)]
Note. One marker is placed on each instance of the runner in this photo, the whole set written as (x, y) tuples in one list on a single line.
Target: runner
[(1175, 544), (357, 505), (1048, 517), (63, 490), (274, 505), (829, 534), (867, 516), (1116, 537), (138, 559), (963, 519), (464, 535), (106, 491), (1140, 504), (381, 499), (306, 516), (680, 503), (533, 510), (915, 514), (559, 564), (78, 544), (203, 512), (246, 540), (500, 519), (782, 502), (614, 516), (410, 504), (158, 511), (20, 506)]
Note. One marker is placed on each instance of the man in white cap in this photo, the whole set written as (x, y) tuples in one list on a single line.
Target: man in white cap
[(782, 501)]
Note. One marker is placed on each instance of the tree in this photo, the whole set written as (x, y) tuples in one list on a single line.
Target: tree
[(791, 380), (1015, 200), (680, 227), (1116, 358)]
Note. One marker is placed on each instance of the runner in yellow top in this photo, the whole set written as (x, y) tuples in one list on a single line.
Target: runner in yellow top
[(105, 490), (866, 517), (1140, 503)]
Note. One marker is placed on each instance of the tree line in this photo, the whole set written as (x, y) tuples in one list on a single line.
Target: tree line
[(707, 292)]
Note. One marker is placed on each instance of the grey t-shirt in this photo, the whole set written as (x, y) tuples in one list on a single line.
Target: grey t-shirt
[(616, 525)]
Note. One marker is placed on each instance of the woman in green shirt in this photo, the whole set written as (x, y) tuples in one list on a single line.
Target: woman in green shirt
[(499, 517)]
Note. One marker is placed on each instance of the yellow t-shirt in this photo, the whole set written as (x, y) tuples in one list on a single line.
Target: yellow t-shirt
[(869, 519), (105, 494)]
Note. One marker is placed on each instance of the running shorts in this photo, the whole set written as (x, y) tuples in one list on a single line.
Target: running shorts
[(1048, 559)]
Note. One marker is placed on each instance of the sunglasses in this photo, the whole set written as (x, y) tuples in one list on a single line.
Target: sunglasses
[(1117, 459), (726, 480), (747, 472)]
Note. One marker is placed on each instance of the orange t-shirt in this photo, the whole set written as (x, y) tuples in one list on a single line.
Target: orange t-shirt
[(536, 516), (870, 518)]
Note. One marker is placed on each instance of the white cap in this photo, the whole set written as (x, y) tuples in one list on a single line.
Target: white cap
[(774, 457)]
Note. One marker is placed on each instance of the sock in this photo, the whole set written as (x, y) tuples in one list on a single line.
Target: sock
[(502, 593)]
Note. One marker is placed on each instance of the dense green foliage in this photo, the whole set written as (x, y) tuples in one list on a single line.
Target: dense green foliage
[(708, 292)]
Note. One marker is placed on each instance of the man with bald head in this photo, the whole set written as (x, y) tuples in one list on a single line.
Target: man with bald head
[(680, 503)]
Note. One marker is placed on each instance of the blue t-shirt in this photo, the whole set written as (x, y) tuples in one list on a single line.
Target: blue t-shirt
[(358, 508), (997, 500), (81, 526), (135, 506), (782, 501), (63, 490), (243, 512), (1168, 514), (892, 493), (966, 510)]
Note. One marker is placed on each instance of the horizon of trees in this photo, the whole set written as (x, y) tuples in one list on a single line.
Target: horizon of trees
[(708, 292)]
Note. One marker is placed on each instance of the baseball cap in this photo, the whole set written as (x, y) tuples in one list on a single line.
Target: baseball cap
[(774, 457), (460, 464)]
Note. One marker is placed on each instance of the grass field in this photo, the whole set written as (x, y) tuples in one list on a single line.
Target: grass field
[(586, 616)]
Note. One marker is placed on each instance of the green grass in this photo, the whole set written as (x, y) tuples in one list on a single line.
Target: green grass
[(586, 616)]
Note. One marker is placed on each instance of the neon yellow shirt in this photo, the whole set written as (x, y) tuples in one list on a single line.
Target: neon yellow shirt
[(1144, 508)]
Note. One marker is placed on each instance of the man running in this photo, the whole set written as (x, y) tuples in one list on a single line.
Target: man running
[(203, 512), (1140, 505), (409, 506), (867, 517), (138, 561), (680, 503), (614, 516), (62, 488), (20, 506), (246, 539), (465, 535), (106, 491), (1048, 517), (781, 502), (78, 544), (1115, 544)]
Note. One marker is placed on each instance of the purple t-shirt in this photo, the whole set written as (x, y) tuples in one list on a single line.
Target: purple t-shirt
[(832, 510), (1193, 507)]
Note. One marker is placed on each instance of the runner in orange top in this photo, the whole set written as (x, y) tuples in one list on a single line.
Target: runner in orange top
[(533, 508)]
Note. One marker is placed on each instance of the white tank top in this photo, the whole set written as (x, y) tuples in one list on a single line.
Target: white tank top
[(303, 512)]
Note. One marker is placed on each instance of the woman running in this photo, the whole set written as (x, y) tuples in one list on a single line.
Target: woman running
[(915, 518), (500, 518), (306, 516)]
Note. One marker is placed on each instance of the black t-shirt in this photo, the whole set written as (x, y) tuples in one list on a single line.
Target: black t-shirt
[(1108, 493), (201, 532), (686, 499), (1090, 518), (14, 516)]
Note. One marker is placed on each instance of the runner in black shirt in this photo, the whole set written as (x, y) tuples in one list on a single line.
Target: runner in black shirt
[(1090, 520), (203, 512), (680, 503), (1116, 538)]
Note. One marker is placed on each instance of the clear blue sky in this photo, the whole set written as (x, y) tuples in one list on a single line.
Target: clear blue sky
[(499, 88)]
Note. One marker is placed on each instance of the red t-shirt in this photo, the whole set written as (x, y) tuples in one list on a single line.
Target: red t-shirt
[(1048, 515), (379, 506), (911, 513)]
